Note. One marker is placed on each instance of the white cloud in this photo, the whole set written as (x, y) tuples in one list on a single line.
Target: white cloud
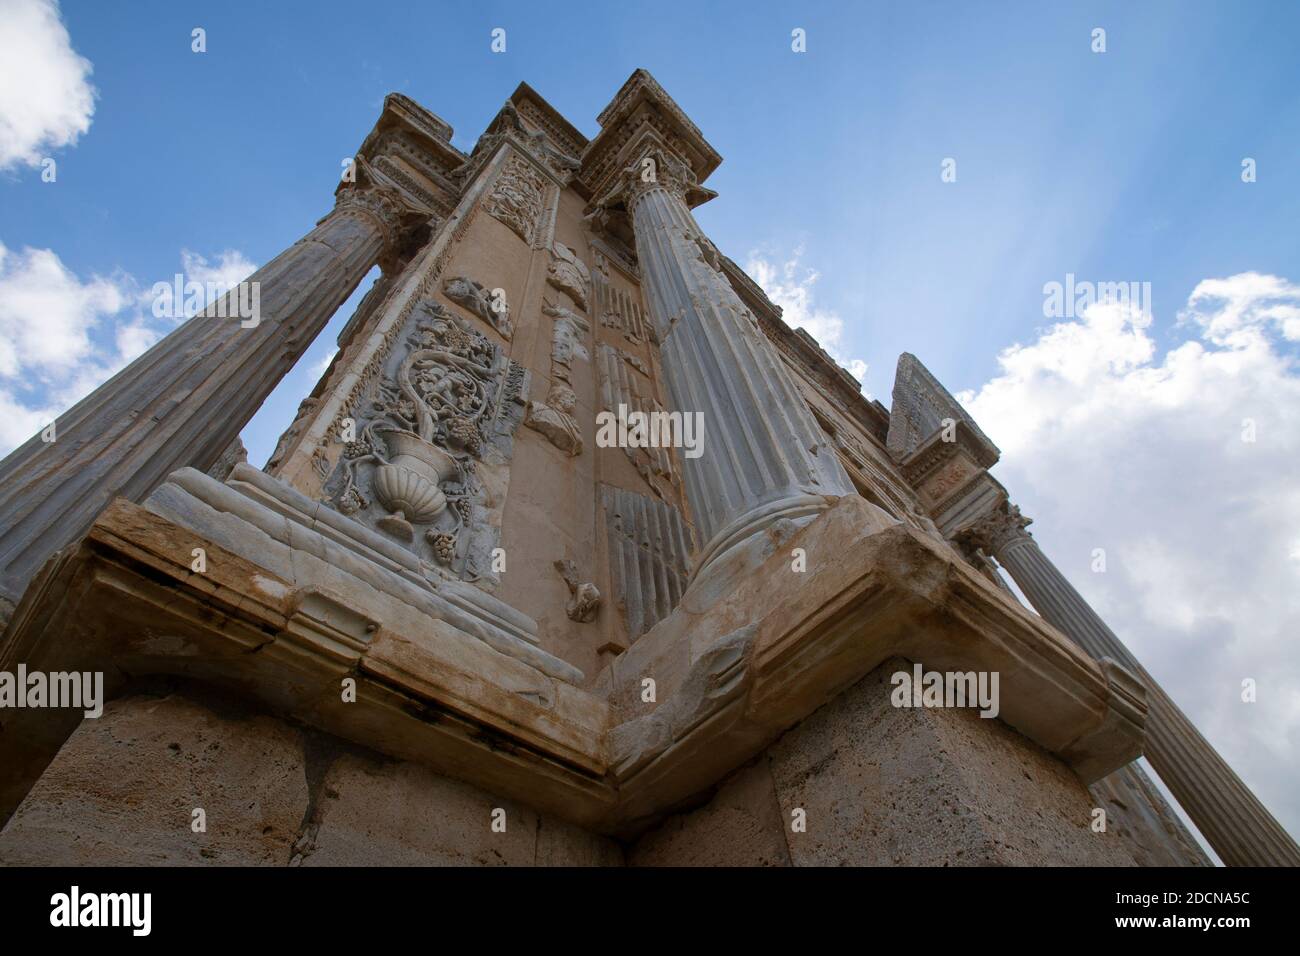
[(46, 312), (790, 286), (321, 367), (1108, 444), (62, 336), (1228, 307), (46, 100)]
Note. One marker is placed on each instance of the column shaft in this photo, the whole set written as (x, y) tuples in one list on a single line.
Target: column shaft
[(183, 401), (1235, 823), (763, 455)]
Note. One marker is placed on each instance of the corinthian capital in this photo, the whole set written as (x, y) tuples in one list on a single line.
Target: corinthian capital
[(403, 222), (998, 528), (382, 205), (656, 168)]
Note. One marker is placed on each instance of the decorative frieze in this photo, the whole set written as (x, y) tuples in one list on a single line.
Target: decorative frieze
[(398, 171), (507, 127), (158, 414)]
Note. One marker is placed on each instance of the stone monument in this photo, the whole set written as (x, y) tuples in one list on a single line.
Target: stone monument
[(449, 623)]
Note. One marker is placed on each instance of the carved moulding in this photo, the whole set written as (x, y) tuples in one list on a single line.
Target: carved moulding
[(432, 444)]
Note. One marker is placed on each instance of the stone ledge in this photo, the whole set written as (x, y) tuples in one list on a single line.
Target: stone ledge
[(869, 593), (284, 625)]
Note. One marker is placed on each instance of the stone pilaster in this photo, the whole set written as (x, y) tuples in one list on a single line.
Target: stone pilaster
[(763, 455), (185, 400), (1232, 819)]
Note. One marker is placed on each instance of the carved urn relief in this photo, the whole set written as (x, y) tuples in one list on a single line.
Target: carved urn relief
[(433, 423), (409, 485)]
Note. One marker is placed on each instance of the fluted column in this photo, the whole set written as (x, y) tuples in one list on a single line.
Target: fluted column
[(1235, 823), (763, 455), (183, 401)]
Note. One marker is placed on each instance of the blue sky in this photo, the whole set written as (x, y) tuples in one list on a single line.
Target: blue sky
[(1115, 166), (1120, 165)]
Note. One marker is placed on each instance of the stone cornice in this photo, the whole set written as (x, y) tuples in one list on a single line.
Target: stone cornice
[(642, 110), (291, 604), (536, 111), (652, 168), (508, 127), (920, 404), (411, 148), (934, 451), (402, 112)]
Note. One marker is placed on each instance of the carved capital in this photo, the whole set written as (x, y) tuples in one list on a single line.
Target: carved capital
[(998, 528), (381, 205), (655, 168), (403, 223)]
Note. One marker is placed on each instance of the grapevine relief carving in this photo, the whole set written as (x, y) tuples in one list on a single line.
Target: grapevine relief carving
[(433, 444)]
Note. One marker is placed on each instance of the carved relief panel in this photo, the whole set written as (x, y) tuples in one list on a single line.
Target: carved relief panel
[(518, 198), (432, 439)]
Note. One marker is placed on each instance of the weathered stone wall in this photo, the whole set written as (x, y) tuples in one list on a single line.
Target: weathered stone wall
[(886, 786), (880, 786), (123, 789)]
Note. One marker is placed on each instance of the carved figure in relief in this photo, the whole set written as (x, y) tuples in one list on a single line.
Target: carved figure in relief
[(569, 274), (554, 417), (480, 301), (566, 339), (516, 199), (584, 597)]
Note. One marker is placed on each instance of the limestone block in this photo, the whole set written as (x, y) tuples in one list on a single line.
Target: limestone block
[(401, 814), (886, 786), (122, 790), (740, 826), (562, 844)]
